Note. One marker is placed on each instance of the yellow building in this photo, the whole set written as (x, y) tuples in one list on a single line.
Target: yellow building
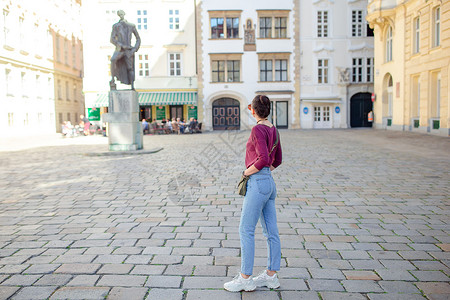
[(412, 57)]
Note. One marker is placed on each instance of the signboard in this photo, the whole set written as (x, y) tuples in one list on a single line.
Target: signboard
[(373, 97), (192, 112), (160, 112), (337, 109), (94, 114), (305, 110)]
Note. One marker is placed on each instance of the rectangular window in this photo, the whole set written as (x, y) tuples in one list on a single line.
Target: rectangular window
[(224, 24), (143, 65), (232, 28), (174, 64), (437, 26), (280, 27), (5, 28), (66, 51), (60, 117), (226, 68), (68, 117), (8, 82), (67, 91), (217, 28), (389, 44), (218, 70), (357, 23), (357, 70), (142, 19), (369, 69), (416, 35), (322, 71), (174, 19), (265, 27), (57, 48), (233, 71), (280, 70), (10, 119), (322, 23), (74, 55), (265, 67), (75, 93)]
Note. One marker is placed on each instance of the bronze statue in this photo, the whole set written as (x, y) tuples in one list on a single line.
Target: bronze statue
[(122, 61)]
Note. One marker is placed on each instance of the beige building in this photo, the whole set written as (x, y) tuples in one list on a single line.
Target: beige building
[(68, 63), (412, 56)]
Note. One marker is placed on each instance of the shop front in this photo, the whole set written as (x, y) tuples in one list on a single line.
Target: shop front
[(160, 105), (320, 113)]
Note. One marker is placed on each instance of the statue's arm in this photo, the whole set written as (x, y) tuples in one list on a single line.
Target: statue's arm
[(113, 38)]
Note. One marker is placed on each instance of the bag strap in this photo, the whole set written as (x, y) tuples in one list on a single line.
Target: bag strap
[(276, 142)]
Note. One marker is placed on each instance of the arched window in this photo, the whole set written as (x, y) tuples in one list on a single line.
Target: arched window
[(389, 44)]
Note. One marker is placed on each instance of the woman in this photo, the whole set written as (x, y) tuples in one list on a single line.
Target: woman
[(259, 203)]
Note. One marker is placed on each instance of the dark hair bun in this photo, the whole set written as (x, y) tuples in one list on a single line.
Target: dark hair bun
[(261, 105)]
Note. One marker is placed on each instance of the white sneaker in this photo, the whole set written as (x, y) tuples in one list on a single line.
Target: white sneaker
[(239, 283), (263, 279)]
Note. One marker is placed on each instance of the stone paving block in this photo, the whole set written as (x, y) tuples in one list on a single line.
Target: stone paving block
[(84, 280), (301, 273), (382, 255), (74, 259), (324, 285), (34, 292), (206, 270), (21, 280), (198, 282), (147, 270), (361, 286), (53, 279), (434, 288), (291, 295), (198, 260), (329, 254), (78, 268), (335, 264), (365, 264), (7, 291), (122, 280), (401, 287), (174, 294), (115, 269), (341, 296), (212, 294), (292, 284), (121, 293), (184, 270), (13, 269), (260, 295), (79, 293), (429, 265), (398, 264), (302, 262), (110, 259), (392, 296), (166, 259), (413, 255), (227, 261), (42, 269), (394, 274), (138, 259), (164, 281), (319, 273), (360, 275), (430, 276), (157, 250)]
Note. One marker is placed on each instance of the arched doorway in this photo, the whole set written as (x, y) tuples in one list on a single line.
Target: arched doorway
[(226, 114), (360, 106)]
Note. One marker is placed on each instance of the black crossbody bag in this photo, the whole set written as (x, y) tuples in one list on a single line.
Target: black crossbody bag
[(242, 185)]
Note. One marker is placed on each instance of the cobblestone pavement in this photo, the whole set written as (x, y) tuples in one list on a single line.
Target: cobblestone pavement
[(362, 214)]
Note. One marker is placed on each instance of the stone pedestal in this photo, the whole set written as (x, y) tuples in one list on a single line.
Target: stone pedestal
[(125, 130)]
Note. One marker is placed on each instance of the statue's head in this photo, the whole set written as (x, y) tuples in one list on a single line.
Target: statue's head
[(121, 14)]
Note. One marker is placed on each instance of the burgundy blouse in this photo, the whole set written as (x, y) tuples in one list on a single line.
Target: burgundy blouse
[(259, 144)]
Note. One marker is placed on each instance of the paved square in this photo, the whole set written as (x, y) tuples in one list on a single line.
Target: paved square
[(362, 214)]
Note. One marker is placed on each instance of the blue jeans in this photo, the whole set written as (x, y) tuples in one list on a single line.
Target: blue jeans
[(259, 203)]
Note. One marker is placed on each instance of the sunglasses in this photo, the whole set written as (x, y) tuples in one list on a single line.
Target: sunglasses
[(249, 107)]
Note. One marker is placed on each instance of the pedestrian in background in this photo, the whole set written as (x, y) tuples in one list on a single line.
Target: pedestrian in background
[(263, 154), (86, 123)]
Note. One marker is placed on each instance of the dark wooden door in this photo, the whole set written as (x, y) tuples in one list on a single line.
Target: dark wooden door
[(360, 106), (176, 111), (226, 117)]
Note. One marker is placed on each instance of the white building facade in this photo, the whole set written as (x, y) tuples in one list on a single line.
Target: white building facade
[(26, 69), (336, 64), (165, 64), (244, 49)]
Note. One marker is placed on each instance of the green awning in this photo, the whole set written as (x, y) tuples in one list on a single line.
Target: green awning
[(167, 98), (102, 100), (155, 98)]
